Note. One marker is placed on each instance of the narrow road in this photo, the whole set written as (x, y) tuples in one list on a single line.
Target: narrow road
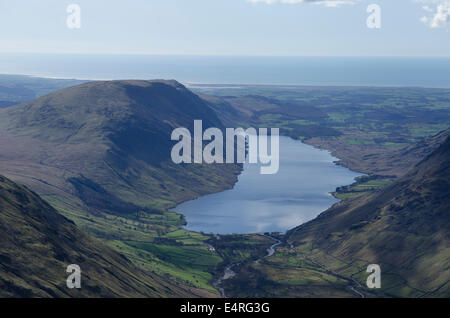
[(271, 249)]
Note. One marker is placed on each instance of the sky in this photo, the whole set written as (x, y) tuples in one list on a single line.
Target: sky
[(228, 27)]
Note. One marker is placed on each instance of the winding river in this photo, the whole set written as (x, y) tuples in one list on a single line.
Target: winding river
[(271, 203)]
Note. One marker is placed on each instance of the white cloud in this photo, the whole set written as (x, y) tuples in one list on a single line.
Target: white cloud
[(327, 3), (437, 13)]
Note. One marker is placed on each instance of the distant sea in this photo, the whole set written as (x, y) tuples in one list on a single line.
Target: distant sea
[(339, 71)]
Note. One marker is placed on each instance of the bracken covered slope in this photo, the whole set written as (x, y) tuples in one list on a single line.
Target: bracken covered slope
[(37, 245), (404, 228), (108, 144)]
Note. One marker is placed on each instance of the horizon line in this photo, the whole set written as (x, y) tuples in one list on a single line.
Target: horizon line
[(191, 85), (226, 55)]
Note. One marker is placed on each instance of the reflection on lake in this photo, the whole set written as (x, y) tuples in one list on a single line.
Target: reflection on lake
[(271, 203)]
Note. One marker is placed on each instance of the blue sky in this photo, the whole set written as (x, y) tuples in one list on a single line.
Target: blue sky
[(228, 27)]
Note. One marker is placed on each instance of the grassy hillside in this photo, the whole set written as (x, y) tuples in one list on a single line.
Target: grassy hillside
[(404, 228), (110, 138), (37, 245), (100, 153)]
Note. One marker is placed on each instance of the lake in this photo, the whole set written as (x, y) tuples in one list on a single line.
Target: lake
[(272, 203)]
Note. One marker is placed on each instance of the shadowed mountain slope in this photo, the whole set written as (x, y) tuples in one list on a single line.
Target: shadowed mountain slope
[(37, 245), (400, 161), (99, 153), (404, 228), (108, 145)]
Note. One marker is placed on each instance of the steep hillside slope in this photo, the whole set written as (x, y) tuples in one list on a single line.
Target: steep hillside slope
[(37, 245), (404, 228), (100, 154), (108, 145)]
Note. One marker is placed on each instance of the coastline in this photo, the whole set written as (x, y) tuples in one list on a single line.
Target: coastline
[(226, 85)]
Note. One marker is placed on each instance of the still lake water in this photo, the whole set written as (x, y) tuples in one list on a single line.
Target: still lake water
[(272, 203)]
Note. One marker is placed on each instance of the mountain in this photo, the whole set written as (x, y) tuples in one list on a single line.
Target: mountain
[(99, 153), (388, 163), (106, 145), (404, 228), (37, 245)]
